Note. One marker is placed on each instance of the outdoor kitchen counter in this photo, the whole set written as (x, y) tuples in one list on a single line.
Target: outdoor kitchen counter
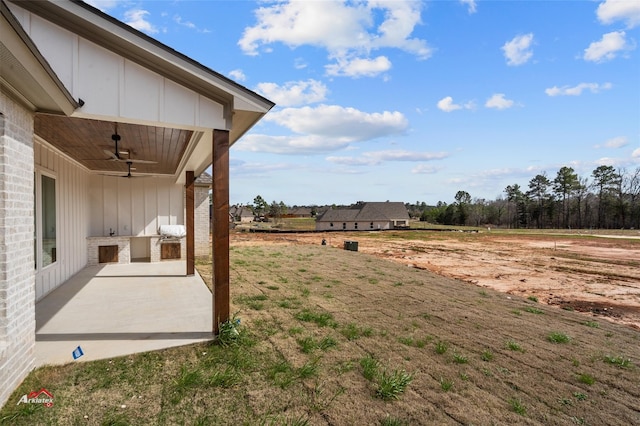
[(116, 249), (125, 251)]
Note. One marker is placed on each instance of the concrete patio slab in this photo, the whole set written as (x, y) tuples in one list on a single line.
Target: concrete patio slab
[(113, 310)]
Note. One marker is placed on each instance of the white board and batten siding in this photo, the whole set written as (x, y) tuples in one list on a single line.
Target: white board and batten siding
[(113, 86), (72, 185), (134, 207)]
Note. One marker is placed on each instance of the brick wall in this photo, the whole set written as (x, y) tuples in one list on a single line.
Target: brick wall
[(17, 282), (202, 222)]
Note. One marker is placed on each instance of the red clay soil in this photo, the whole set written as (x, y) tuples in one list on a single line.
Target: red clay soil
[(596, 275)]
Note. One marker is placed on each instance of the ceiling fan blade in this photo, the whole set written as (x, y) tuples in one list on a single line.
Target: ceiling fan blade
[(142, 161), (112, 155)]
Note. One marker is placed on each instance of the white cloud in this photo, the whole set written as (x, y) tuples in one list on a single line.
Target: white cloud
[(498, 101), (290, 145), (358, 67), (619, 10), (577, 90), (323, 129), (137, 19), (518, 50), (447, 105), (636, 153), (472, 6), (244, 168), (237, 75), (607, 48), (377, 157), (337, 122), (606, 161), (362, 27), (617, 142), (178, 20), (300, 64), (425, 169), (294, 93)]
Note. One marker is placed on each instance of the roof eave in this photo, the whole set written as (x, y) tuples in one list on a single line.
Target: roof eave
[(26, 74), (102, 29)]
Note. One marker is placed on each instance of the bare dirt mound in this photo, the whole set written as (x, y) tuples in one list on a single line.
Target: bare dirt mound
[(599, 276)]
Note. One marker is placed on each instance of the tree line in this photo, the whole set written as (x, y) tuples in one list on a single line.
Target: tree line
[(608, 198)]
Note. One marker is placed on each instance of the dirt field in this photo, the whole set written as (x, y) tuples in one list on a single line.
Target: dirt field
[(477, 356), (598, 275)]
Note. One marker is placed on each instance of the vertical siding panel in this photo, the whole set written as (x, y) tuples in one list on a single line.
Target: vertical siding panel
[(138, 207), (150, 207), (176, 205), (163, 204), (50, 164), (124, 206), (63, 234), (110, 204), (60, 205), (95, 205)]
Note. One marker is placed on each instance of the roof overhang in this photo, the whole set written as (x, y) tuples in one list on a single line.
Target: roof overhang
[(242, 108), (25, 74)]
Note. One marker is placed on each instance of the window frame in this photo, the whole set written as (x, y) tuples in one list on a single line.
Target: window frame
[(38, 211)]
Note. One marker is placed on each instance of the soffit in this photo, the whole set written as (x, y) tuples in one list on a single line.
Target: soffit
[(86, 141)]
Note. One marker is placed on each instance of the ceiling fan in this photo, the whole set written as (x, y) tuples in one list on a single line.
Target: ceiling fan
[(129, 175), (116, 154)]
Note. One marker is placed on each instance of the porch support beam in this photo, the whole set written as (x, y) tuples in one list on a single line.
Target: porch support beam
[(220, 228), (190, 200)]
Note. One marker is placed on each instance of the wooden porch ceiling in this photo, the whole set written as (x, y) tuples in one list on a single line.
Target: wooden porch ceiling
[(86, 140)]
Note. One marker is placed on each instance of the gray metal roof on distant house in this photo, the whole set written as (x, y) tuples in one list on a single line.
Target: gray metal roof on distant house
[(367, 212), (300, 211)]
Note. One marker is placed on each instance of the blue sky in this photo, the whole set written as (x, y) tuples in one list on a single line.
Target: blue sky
[(414, 101)]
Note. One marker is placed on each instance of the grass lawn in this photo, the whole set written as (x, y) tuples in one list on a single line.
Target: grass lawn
[(328, 336)]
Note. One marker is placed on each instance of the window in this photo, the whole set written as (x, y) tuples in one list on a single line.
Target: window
[(45, 221), (344, 225), (371, 225), (331, 224), (356, 225)]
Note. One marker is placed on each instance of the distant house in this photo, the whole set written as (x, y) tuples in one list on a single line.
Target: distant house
[(242, 214), (365, 217), (202, 224), (299, 212)]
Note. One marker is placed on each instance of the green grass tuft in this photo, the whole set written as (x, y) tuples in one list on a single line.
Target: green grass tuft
[(392, 384), (446, 384), (618, 361), (518, 407), (441, 347), (514, 346), (557, 337), (587, 379)]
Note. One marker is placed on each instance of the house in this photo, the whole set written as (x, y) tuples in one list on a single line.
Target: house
[(300, 212), (242, 214), (202, 220), (365, 216), (102, 132)]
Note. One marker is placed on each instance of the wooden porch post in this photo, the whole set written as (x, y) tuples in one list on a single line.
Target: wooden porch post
[(190, 200), (220, 228)]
